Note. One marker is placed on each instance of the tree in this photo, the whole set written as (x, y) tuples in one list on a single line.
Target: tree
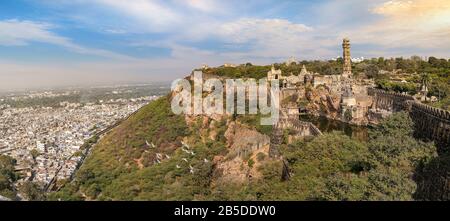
[(7, 177), (34, 153), (432, 179), (395, 154), (391, 161), (372, 71), (425, 79), (32, 192)]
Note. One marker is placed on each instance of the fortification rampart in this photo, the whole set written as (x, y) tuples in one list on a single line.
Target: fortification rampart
[(431, 123), (389, 101), (301, 128)]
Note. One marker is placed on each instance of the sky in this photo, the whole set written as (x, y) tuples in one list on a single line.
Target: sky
[(45, 43)]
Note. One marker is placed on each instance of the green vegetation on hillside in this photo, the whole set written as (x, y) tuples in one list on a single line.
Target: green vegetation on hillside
[(7, 177), (121, 166), (336, 167), (436, 71), (432, 179), (257, 72)]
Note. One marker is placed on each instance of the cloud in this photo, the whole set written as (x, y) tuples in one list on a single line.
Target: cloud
[(260, 38), (202, 5), (249, 29), (115, 31), (432, 13), (411, 8), (217, 32), (267, 38), (21, 33), (151, 14), (422, 24)]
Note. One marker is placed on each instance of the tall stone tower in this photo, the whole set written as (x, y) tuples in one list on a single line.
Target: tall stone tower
[(347, 58)]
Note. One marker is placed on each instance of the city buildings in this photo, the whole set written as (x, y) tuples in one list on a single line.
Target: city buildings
[(47, 141)]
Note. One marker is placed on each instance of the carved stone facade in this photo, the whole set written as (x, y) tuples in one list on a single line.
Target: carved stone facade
[(347, 58)]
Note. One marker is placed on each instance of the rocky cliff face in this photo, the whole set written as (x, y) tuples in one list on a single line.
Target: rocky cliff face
[(241, 163), (322, 103), (247, 149)]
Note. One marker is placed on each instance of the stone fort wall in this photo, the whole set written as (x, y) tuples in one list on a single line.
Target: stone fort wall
[(389, 101), (430, 123)]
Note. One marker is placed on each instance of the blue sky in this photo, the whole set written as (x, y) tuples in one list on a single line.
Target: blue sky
[(62, 42)]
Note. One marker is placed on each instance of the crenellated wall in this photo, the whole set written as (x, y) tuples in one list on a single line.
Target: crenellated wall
[(430, 123), (300, 128), (389, 101)]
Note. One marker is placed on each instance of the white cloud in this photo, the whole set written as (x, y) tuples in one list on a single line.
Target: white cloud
[(422, 24), (21, 33), (202, 5), (150, 13), (116, 31), (249, 29), (268, 38)]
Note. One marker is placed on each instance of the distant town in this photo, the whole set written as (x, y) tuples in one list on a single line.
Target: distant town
[(44, 131)]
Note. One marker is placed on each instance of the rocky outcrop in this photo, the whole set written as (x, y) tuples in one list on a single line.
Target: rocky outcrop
[(241, 163), (322, 103), (240, 137)]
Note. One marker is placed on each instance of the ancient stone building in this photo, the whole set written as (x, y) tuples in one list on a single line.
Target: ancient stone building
[(348, 105), (347, 58), (290, 81), (303, 74), (274, 74)]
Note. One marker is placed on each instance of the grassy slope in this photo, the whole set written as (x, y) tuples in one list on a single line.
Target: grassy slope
[(113, 158)]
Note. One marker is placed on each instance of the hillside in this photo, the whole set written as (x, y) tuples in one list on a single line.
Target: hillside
[(220, 162)]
